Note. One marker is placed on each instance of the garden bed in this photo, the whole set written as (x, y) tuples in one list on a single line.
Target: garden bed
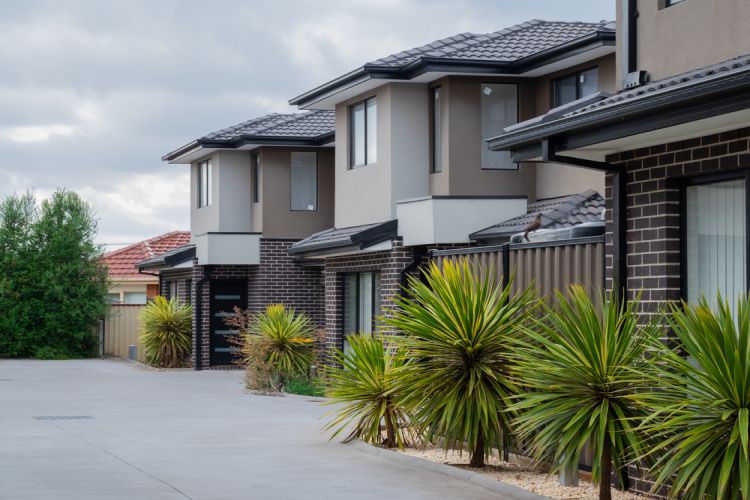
[(519, 475)]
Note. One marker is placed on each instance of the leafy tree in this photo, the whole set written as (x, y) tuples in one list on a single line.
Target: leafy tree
[(54, 285)]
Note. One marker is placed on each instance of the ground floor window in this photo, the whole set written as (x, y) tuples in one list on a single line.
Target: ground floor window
[(172, 290), (134, 298), (715, 237), (361, 303)]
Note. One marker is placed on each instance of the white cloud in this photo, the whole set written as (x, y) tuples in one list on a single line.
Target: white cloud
[(38, 133)]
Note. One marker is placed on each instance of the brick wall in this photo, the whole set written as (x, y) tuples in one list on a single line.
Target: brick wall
[(654, 177), (389, 263), (277, 280), (183, 277), (282, 280)]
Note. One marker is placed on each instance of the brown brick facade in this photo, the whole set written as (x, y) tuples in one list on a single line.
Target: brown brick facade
[(654, 180)]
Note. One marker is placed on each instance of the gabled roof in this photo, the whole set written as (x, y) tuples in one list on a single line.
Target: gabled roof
[(675, 100), (557, 213), (123, 262), (513, 50), (171, 258), (508, 45), (309, 128), (346, 238)]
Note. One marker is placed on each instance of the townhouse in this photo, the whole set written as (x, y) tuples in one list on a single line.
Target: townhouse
[(673, 142), (413, 171), (256, 188)]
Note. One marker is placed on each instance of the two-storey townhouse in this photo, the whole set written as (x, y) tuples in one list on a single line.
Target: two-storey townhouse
[(413, 171), (673, 141), (255, 189)]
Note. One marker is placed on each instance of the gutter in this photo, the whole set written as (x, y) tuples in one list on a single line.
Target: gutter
[(425, 64), (260, 140), (621, 112)]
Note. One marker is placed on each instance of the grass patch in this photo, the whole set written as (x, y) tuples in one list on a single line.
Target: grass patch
[(305, 387)]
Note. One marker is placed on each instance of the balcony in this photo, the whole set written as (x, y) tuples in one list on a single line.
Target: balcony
[(451, 219), (228, 249)]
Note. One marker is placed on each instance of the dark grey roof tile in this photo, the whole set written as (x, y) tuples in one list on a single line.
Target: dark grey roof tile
[(308, 124)]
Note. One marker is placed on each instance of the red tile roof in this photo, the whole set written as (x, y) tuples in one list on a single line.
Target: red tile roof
[(123, 262)]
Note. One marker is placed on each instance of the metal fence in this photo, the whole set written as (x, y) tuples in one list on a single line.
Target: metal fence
[(548, 266), (121, 331)]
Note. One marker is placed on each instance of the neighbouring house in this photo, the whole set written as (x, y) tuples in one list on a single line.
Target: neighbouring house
[(256, 188), (127, 285), (413, 172), (673, 142)]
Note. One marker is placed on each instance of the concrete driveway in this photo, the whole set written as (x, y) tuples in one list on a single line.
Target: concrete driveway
[(180, 434)]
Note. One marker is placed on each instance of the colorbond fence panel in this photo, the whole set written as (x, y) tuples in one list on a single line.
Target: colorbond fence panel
[(121, 331)]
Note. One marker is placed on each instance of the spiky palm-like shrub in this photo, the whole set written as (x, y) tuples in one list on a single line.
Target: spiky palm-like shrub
[(166, 332), (700, 410), (457, 328), (362, 383), (581, 365), (278, 344)]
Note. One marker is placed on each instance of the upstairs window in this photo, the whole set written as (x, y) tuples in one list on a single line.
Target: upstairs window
[(576, 86), (256, 176), (499, 109), (363, 138), (436, 115), (205, 184), (304, 175)]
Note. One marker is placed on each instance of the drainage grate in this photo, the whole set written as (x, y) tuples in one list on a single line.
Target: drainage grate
[(63, 417)]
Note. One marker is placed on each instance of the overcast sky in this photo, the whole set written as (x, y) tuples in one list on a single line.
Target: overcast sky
[(93, 93)]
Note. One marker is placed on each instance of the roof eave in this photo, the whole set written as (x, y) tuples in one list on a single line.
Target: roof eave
[(425, 64), (682, 99)]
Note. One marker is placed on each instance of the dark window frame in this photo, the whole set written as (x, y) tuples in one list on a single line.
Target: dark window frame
[(518, 120), (697, 180), (256, 175), (577, 75), (317, 183), (434, 167), (202, 180), (357, 289), (350, 112), (663, 4)]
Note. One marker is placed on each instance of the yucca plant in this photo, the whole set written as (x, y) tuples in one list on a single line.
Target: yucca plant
[(701, 405), (457, 327), (362, 384), (282, 341), (166, 332), (580, 364)]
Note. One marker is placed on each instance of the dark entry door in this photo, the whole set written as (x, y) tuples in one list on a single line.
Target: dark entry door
[(225, 296)]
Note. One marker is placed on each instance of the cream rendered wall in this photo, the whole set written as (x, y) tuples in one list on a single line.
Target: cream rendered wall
[(409, 142), (363, 194), (203, 219), (279, 221), (688, 35), (234, 200)]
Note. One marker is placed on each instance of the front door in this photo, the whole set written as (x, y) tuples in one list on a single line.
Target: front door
[(225, 296)]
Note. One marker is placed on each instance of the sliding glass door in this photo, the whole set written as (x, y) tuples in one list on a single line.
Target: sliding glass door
[(361, 303)]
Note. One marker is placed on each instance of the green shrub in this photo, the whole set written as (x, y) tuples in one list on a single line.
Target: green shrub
[(700, 409), (276, 345), (458, 327), (362, 384), (166, 332), (582, 369)]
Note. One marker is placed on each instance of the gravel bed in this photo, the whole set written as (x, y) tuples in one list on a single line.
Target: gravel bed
[(520, 475)]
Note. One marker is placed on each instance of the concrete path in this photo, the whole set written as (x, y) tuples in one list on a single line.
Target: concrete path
[(181, 434)]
